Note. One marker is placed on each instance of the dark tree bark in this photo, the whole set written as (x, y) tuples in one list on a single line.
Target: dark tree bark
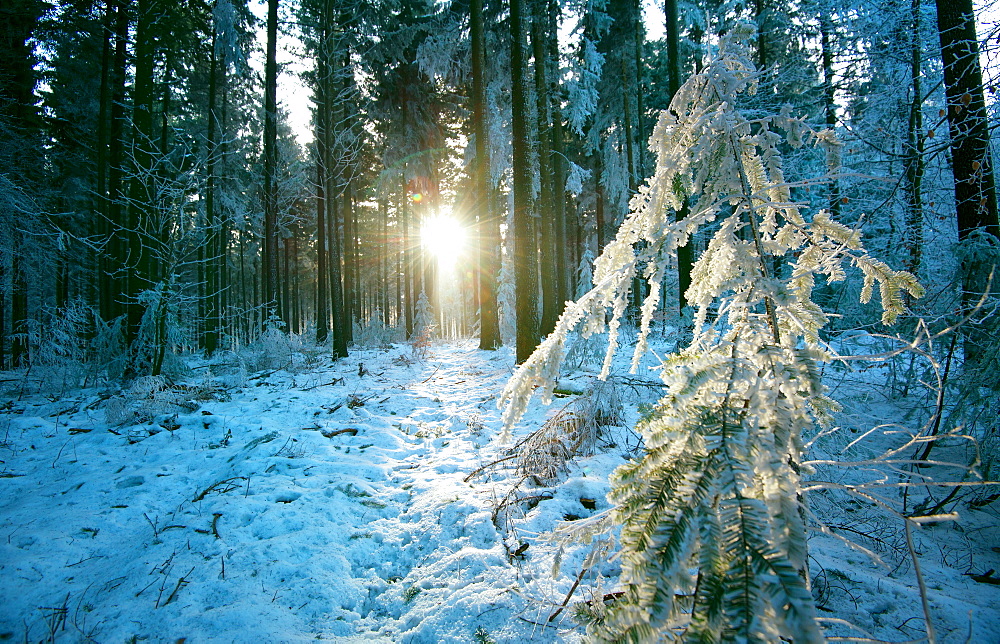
[(599, 217), (830, 105), (322, 277), (913, 150), (564, 267), (18, 20), (210, 339), (975, 192), (972, 165), (760, 11), (105, 284), (270, 255), (352, 296), (334, 238), (296, 306), (383, 260), (139, 234), (115, 245), (685, 254), (525, 285), (489, 227), (546, 207), (409, 264)]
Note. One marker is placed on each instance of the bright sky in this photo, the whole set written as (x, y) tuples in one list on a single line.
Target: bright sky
[(445, 237), (296, 97), (293, 95)]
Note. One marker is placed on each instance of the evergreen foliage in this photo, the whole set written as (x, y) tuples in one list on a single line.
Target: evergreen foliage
[(713, 510)]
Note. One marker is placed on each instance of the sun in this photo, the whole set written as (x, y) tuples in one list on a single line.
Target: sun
[(444, 237)]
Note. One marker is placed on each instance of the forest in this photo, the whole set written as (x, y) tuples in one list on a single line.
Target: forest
[(288, 289)]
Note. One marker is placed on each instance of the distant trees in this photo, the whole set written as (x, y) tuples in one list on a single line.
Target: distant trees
[(141, 107), (20, 156), (170, 195)]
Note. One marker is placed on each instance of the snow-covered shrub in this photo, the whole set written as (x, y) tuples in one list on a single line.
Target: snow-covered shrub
[(373, 334), (59, 348), (271, 350), (603, 404), (423, 329), (159, 318), (977, 405), (73, 347), (424, 314), (714, 510), (544, 454), (148, 397)]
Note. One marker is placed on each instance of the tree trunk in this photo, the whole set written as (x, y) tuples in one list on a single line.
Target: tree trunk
[(406, 252), (972, 164), (225, 217), (270, 255), (489, 226), (383, 259), (322, 277), (913, 151), (830, 106), (105, 284), (563, 266), (18, 305), (760, 11), (525, 285), (337, 304), (685, 254), (210, 340), (352, 296), (116, 249), (139, 233), (545, 206), (975, 193), (399, 267), (18, 21)]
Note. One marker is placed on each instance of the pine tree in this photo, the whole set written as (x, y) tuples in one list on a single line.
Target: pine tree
[(714, 508), (270, 232), (488, 225), (972, 165), (20, 155), (525, 250)]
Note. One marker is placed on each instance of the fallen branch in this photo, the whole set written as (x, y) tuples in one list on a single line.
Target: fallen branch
[(180, 584), (986, 578), (476, 471), (572, 590), (200, 496), (325, 384), (337, 432), (215, 524)]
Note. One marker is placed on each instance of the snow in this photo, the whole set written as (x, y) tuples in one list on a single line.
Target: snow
[(314, 503)]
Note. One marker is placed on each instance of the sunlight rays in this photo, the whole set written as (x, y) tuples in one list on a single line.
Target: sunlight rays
[(444, 237)]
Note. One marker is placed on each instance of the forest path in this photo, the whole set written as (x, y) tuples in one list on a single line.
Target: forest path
[(323, 503)]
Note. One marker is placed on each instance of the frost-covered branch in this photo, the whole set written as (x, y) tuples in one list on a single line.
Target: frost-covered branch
[(715, 507)]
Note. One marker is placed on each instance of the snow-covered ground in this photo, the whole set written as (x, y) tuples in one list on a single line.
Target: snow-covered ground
[(356, 502)]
